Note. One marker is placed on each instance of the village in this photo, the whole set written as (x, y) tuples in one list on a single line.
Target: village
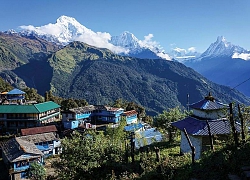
[(37, 129)]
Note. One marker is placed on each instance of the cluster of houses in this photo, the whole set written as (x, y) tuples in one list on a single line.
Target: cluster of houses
[(36, 125)]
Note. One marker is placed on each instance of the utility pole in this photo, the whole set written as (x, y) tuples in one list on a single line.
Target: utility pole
[(232, 125), (210, 136), (190, 144), (242, 124)]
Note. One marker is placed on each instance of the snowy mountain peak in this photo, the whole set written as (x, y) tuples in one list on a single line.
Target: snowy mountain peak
[(222, 48), (221, 39), (126, 40), (129, 35), (65, 19), (70, 24)]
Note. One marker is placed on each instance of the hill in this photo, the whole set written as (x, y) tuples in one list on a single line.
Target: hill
[(100, 77), (17, 51), (82, 71)]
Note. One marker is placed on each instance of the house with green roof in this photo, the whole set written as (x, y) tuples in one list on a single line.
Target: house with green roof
[(14, 117)]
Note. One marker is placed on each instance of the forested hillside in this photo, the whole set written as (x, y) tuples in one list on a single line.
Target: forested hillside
[(81, 71), (100, 77)]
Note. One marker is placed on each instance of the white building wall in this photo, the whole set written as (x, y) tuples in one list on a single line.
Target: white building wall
[(209, 114), (57, 144), (196, 141)]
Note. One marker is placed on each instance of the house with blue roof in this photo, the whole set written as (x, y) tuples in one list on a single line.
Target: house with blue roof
[(134, 127), (75, 117), (207, 110)]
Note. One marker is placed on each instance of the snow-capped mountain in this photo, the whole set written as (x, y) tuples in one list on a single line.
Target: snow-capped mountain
[(136, 47), (224, 48), (126, 39), (224, 63), (67, 29)]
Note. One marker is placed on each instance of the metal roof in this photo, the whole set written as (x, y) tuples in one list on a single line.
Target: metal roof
[(37, 138), (38, 130), (94, 107), (16, 91), (198, 127), (130, 113), (83, 109), (17, 149), (206, 104), (18, 109), (35, 108), (133, 127), (43, 107)]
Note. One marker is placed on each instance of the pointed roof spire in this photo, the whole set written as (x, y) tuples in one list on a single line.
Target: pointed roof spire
[(210, 97)]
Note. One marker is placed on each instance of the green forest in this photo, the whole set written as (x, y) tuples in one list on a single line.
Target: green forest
[(111, 154)]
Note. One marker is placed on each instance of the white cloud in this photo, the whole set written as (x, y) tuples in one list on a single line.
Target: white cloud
[(148, 42), (52, 29), (100, 40), (192, 49), (164, 55), (153, 46), (180, 50), (243, 56)]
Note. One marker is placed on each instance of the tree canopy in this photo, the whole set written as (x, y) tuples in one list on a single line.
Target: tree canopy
[(36, 171), (164, 120)]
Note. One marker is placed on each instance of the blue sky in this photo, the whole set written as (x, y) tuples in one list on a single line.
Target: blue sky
[(173, 23)]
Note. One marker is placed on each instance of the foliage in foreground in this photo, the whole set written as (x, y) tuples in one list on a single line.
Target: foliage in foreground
[(163, 121), (95, 155), (218, 164), (36, 171)]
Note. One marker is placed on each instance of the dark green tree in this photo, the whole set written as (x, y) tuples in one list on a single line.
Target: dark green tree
[(32, 95), (86, 156), (4, 86), (164, 120), (120, 103), (36, 171), (148, 119), (68, 104), (81, 102)]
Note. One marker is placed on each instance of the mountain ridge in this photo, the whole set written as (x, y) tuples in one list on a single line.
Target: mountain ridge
[(79, 70)]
